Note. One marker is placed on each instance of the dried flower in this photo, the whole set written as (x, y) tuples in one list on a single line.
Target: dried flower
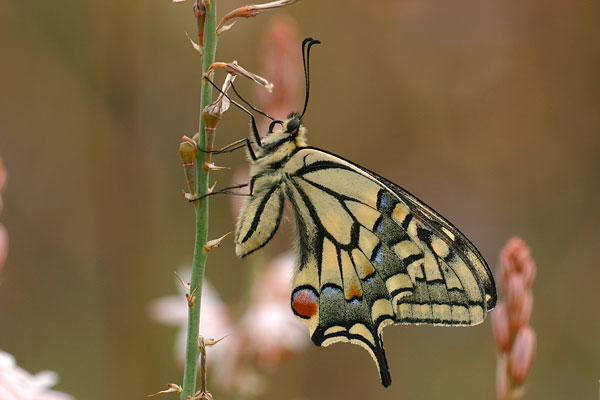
[(514, 338), (235, 69), (171, 388), (211, 116), (221, 103), (251, 10), (195, 45), (18, 384)]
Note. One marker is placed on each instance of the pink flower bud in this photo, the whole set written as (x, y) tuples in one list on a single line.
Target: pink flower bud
[(521, 316), (502, 378), (2, 176), (529, 270), (515, 292), (501, 327), (3, 245), (282, 63), (521, 354)]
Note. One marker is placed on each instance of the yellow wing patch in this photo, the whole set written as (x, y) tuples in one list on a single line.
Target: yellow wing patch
[(370, 253)]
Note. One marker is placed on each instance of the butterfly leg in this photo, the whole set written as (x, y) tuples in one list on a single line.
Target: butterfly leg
[(238, 144), (252, 120), (255, 131), (227, 190), (250, 152)]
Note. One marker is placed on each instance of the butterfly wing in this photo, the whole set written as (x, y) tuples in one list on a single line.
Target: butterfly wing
[(371, 254), (261, 216)]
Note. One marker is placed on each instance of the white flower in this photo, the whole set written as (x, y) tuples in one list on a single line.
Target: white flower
[(215, 321), (272, 331), (18, 384)]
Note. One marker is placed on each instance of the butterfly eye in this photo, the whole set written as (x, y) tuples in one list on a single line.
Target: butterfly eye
[(292, 125)]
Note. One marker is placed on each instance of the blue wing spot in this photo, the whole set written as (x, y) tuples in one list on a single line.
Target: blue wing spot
[(383, 200), (378, 227), (331, 291), (355, 302), (370, 279), (378, 255)]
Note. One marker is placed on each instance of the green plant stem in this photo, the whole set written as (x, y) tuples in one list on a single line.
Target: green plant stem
[(201, 209)]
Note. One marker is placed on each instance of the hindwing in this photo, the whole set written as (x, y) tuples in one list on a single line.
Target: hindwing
[(371, 255)]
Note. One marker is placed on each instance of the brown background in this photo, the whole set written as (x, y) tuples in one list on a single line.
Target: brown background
[(487, 110)]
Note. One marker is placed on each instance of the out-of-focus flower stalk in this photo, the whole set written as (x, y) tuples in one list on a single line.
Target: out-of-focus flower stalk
[(515, 338), (282, 64), (3, 234)]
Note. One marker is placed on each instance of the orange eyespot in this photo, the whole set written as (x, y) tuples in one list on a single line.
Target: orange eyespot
[(305, 303)]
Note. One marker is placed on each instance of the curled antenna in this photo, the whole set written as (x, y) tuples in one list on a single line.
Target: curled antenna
[(250, 105), (306, 45), (272, 125)]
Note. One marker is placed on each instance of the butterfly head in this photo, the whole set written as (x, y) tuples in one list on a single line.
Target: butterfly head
[(290, 132), (292, 124)]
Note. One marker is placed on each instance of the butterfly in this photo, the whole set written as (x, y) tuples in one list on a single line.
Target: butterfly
[(370, 254)]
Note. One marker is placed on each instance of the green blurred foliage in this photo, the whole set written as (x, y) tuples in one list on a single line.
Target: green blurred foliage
[(486, 110)]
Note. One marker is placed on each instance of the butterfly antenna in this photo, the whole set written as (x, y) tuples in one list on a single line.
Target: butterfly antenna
[(250, 105), (241, 107), (306, 45)]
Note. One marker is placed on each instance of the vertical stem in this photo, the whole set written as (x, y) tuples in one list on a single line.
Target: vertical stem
[(201, 209)]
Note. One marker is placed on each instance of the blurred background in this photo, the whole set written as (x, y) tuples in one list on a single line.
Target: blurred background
[(489, 111)]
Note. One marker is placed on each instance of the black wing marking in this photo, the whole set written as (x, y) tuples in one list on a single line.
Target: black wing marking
[(260, 219), (371, 254)]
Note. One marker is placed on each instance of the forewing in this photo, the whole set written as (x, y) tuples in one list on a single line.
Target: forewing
[(259, 220), (371, 256)]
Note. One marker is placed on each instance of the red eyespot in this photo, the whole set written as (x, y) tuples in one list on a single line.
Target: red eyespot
[(305, 303)]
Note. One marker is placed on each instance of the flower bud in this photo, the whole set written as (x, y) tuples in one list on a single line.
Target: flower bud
[(521, 354), (515, 292), (522, 316), (502, 378), (501, 327), (2, 176), (211, 115), (3, 245), (187, 152), (529, 271)]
